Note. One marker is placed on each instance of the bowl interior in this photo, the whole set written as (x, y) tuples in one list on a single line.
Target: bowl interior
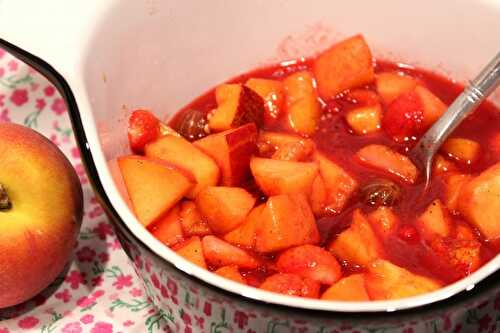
[(162, 54)]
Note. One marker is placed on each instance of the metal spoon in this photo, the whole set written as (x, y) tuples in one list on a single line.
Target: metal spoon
[(483, 85)]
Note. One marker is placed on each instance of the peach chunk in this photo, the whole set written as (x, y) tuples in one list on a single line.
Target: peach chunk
[(433, 107), (220, 253), (462, 150), (276, 177), (285, 147), (292, 285), (153, 186), (273, 94), (318, 196), (479, 202), (351, 288), (192, 250), (225, 208), (442, 165), (168, 229), (387, 160), (391, 85), (383, 220), (365, 120), (286, 221), (184, 154), (453, 185), (245, 234), (434, 221), (302, 103), (231, 272), (231, 150), (191, 221), (358, 244), (345, 65), (310, 261), (385, 281), (338, 183), (236, 105), (463, 256)]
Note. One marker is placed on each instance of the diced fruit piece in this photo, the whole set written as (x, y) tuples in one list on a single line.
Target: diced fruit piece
[(495, 144), (220, 253), (464, 232), (245, 234), (358, 244), (231, 150), (463, 256), (143, 127), (225, 208), (365, 120), (404, 116), (276, 177), (302, 102), (231, 272), (168, 229), (292, 285), (318, 196), (310, 261), (362, 97), (380, 192), (351, 288), (387, 160), (191, 221), (192, 250), (272, 93), (478, 202), (339, 184), (383, 220), (442, 165), (182, 153), (385, 281), (453, 185), (434, 221), (433, 107), (285, 147), (391, 85), (236, 106), (286, 221), (345, 65), (297, 151), (462, 150), (153, 186)]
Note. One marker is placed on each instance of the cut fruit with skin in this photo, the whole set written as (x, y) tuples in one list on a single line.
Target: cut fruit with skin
[(184, 154), (236, 105), (310, 261), (358, 244), (276, 177), (231, 272), (273, 94), (463, 150), (231, 150), (302, 104), (225, 208), (391, 85), (351, 288), (168, 229), (434, 221), (385, 281), (383, 158), (345, 65), (292, 285), (286, 221), (153, 186), (433, 107), (339, 185), (219, 253), (478, 202), (384, 221), (245, 234), (365, 120), (192, 250), (191, 221)]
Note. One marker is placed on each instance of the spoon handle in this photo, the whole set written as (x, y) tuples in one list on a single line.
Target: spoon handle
[(484, 84)]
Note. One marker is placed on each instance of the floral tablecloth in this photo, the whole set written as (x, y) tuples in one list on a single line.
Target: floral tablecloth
[(99, 293)]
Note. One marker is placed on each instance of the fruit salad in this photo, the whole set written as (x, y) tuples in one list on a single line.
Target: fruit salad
[(295, 179)]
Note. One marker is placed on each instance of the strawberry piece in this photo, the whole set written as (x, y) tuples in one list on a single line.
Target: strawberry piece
[(143, 127), (291, 284), (404, 117)]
